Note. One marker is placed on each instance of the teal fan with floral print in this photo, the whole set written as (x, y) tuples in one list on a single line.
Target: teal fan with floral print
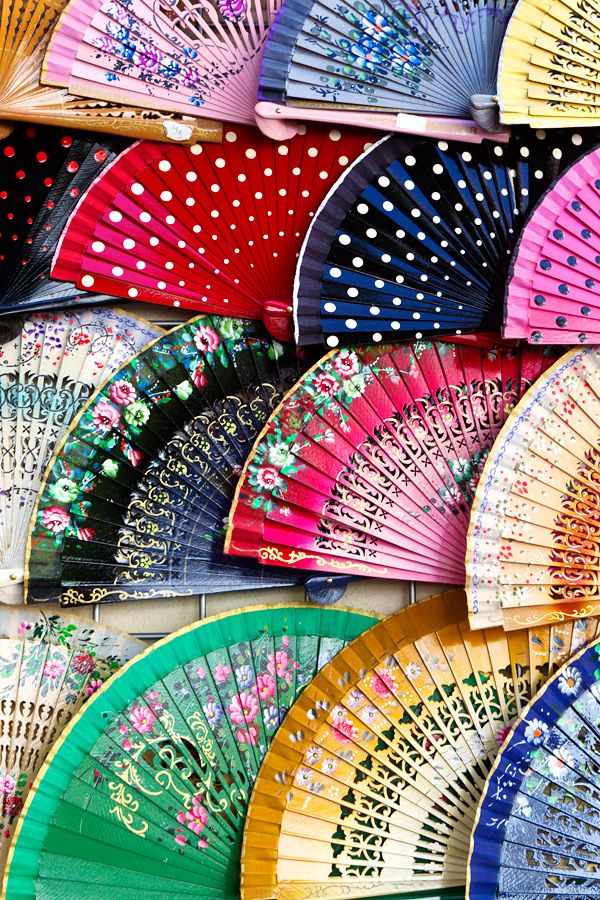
[(135, 499), (146, 793), (49, 666), (406, 66)]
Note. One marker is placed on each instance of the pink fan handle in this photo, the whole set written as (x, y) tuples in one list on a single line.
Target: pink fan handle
[(278, 121)]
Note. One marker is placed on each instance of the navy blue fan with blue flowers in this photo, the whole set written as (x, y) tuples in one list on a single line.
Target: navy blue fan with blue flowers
[(416, 237), (432, 58), (537, 835)]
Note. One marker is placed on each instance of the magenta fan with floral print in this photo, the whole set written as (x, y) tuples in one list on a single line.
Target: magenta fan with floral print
[(147, 794), (369, 465), (194, 58)]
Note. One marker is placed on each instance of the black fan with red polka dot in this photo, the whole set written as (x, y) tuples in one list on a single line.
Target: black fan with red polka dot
[(215, 228), (43, 172)]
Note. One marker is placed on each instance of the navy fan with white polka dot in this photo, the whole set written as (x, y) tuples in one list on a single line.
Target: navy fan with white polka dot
[(416, 238)]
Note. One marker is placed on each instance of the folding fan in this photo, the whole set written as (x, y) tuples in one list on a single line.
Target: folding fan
[(552, 295), (533, 543), (401, 66), (135, 500), (199, 56), (49, 365), (549, 70), (369, 465), (42, 173), (536, 834), (370, 785), (216, 229), (49, 666), (146, 794), (416, 237), (24, 35)]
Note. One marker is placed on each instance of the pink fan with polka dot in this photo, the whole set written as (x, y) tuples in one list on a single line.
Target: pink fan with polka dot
[(553, 295), (215, 228)]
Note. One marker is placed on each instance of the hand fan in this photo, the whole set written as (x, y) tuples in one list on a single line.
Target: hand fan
[(536, 833), (552, 295), (135, 500), (431, 67), (549, 70), (216, 229), (49, 667), (49, 365), (370, 463), (533, 543), (42, 173), (416, 237), (146, 793), (369, 787), (24, 35), (195, 57)]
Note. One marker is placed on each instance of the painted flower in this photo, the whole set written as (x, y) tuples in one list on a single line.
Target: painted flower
[(122, 393), (184, 390), (85, 534), (221, 673), (243, 709), (522, 805), (149, 58), (128, 49), (24, 626), (570, 681), (368, 714), (383, 683), (271, 718), (110, 467), (313, 755), (356, 697), (376, 26), (502, 733), (105, 416), (64, 491), (54, 668), (346, 363), (170, 70), (206, 338), (196, 817), (244, 676), (7, 784), (126, 744), (189, 78), (344, 731), (231, 329), (247, 735), (265, 686), (461, 469), (198, 376), (303, 777), (213, 713), (119, 32), (325, 384), (93, 686), (181, 839), (329, 765), (55, 519), (278, 663), (12, 806), (536, 731), (84, 663), (559, 763), (105, 44), (281, 454), (134, 456), (356, 387), (267, 478), (142, 719), (136, 414), (413, 670), (201, 672)]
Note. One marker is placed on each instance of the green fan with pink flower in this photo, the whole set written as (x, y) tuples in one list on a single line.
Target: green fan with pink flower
[(147, 793)]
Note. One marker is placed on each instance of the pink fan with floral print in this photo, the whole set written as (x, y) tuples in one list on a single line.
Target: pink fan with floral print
[(188, 57), (369, 465)]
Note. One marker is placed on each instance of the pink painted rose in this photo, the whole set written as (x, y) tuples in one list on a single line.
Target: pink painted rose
[(55, 518), (344, 731), (202, 844), (84, 663), (221, 673), (92, 686), (264, 687), (345, 363), (285, 641), (196, 817), (326, 385), (123, 729), (278, 664), (85, 534), (105, 416), (180, 839), (201, 672), (122, 393), (126, 744), (267, 478), (383, 684), (142, 719), (198, 376), (243, 709), (7, 784), (54, 668), (206, 339), (248, 735), (134, 456)]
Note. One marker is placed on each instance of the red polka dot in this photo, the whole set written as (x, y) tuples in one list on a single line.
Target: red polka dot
[(10, 216), (20, 174), (100, 156), (3, 195), (67, 140), (41, 156), (50, 204), (74, 192), (48, 182), (72, 166)]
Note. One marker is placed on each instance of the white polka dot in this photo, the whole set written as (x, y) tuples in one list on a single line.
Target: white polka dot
[(371, 233), (438, 169), (137, 188), (117, 271), (128, 244), (335, 272), (215, 188), (98, 247), (418, 335), (352, 292), (191, 176), (362, 209), (335, 135), (329, 307), (154, 241), (323, 175), (409, 185), (332, 341), (312, 152), (388, 205), (132, 292), (87, 281), (343, 160), (383, 181), (409, 160), (115, 216), (164, 165), (386, 258), (576, 139), (344, 239), (196, 149), (140, 264), (395, 325), (161, 285), (350, 323), (231, 136), (251, 153), (357, 262), (145, 217), (166, 196), (374, 310), (377, 337), (283, 150), (220, 162)]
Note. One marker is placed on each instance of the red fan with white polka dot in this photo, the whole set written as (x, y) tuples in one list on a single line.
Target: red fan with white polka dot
[(212, 228)]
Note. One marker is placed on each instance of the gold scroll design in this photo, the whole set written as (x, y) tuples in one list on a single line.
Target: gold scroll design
[(293, 557), (578, 556)]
